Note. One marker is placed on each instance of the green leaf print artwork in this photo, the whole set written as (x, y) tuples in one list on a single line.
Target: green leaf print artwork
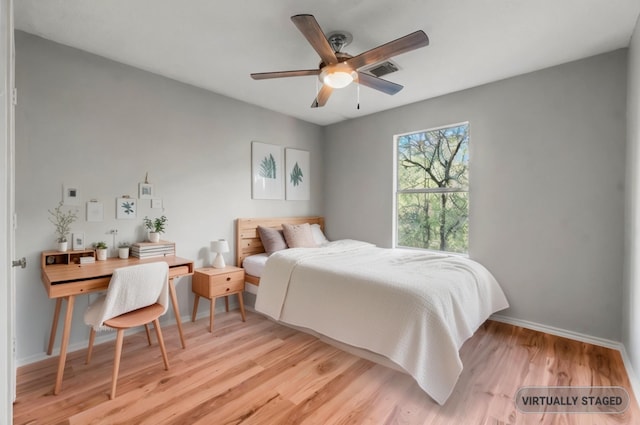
[(296, 175), (268, 167)]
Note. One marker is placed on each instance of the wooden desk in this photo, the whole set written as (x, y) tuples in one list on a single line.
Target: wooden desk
[(66, 280)]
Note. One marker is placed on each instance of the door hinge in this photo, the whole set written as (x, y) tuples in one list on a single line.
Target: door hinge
[(14, 96)]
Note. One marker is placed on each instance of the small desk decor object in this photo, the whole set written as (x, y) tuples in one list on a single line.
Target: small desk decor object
[(155, 227), (212, 283), (219, 247), (77, 241), (152, 249), (101, 250)]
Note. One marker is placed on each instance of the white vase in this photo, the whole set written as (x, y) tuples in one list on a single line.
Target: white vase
[(123, 252), (101, 254), (63, 246), (154, 237)]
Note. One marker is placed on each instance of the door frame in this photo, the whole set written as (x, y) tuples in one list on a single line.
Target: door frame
[(7, 212)]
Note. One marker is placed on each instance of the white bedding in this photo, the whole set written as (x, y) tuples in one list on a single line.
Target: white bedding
[(255, 264), (414, 307)]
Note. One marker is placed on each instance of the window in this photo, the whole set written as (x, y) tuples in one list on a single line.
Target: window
[(432, 191)]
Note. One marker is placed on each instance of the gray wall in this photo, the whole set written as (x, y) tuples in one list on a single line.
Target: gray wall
[(631, 295), (100, 125), (546, 192)]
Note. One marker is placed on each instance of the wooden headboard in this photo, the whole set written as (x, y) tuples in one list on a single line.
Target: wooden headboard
[(248, 241)]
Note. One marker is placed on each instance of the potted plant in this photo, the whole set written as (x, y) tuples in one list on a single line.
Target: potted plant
[(62, 220), (155, 227), (101, 250), (123, 250)]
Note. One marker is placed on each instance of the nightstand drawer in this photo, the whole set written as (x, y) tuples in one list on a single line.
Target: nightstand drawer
[(227, 283)]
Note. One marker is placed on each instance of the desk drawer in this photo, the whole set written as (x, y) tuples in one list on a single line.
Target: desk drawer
[(178, 271), (77, 288)]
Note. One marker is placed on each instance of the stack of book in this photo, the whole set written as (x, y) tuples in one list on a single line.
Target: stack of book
[(153, 249)]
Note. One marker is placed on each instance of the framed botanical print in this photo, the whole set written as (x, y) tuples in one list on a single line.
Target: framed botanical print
[(297, 175), (267, 170), (126, 208)]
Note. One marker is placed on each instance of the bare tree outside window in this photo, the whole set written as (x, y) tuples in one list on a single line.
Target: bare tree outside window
[(432, 192)]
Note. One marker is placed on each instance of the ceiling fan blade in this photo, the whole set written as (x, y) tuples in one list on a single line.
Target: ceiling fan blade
[(404, 44), (310, 28), (322, 97), (378, 83), (281, 74)]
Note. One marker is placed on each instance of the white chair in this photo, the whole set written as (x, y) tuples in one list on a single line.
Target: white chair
[(137, 295)]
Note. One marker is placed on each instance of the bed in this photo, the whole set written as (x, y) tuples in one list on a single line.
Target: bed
[(412, 307)]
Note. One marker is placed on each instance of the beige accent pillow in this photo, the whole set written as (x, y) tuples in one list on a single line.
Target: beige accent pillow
[(272, 239), (298, 235)]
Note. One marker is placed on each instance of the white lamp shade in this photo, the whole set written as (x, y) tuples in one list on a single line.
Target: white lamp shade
[(220, 246)]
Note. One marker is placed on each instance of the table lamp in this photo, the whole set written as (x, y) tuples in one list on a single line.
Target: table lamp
[(219, 247)]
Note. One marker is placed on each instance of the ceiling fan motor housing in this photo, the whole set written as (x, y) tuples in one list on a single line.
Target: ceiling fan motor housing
[(339, 39)]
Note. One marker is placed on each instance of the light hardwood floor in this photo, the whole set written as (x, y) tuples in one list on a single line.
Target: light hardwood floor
[(260, 372)]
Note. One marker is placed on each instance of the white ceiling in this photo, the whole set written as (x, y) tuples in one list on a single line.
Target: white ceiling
[(217, 44)]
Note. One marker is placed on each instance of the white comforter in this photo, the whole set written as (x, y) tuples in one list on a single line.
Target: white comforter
[(415, 308)]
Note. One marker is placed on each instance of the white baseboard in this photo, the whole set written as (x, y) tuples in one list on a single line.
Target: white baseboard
[(558, 332), (607, 343)]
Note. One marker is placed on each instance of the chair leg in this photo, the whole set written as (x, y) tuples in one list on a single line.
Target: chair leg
[(116, 363), (146, 328), (92, 338), (156, 324)]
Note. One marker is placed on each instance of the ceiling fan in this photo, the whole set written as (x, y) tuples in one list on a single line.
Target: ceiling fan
[(338, 69)]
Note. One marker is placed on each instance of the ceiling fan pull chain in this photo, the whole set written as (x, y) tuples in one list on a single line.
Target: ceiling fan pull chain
[(358, 94)]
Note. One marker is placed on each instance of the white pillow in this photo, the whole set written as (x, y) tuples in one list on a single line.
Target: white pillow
[(318, 235)]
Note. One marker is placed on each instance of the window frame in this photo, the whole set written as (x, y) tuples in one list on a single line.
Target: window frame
[(396, 191)]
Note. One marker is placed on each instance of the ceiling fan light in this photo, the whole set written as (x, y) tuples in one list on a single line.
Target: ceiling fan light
[(338, 80), (337, 76)]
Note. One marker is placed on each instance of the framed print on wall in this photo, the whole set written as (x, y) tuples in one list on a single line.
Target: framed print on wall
[(95, 211), (297, 175), (267, 170), (70, 194), (145, 190), (126, 208)]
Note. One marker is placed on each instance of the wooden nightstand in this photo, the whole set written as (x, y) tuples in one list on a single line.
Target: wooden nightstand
[(213, 283)]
